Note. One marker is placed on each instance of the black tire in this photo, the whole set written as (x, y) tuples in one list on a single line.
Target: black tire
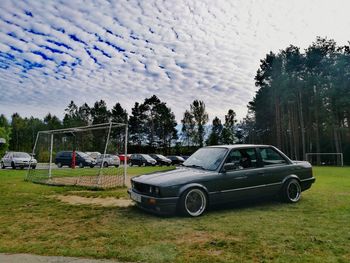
[(116, 166), (22, 167), (2, 165), (59, 165), (34, 167), (105, 164), (291, 191), (81, 165), (193, 202), (13, 165), (92, 166)]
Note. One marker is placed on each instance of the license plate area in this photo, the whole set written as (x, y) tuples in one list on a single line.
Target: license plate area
[(135, 197)]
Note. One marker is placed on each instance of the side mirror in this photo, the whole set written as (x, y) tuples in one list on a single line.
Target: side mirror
[(230, 167)]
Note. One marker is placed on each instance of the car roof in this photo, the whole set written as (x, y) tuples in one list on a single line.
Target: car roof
[(234, 146)]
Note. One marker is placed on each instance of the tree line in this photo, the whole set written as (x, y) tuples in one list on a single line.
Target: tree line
[(152, 127), (303, 100)]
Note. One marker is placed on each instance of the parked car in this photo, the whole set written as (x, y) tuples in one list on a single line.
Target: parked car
[(185, 157), (18, 159), (221, 174), (108, 160), (142, 159), (161, 159), (176, 160), (65, 158), (122, 158), (93, 155)]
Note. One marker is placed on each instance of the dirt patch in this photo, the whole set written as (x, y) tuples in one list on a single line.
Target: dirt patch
[(106, 202)]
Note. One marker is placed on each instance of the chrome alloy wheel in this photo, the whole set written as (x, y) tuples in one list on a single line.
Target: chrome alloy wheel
[(293, 191), (195, 202)]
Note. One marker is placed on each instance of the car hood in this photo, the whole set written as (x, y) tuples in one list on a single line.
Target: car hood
[(180, 175)]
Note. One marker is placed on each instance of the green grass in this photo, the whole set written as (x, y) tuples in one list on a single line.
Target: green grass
[(317, 229)]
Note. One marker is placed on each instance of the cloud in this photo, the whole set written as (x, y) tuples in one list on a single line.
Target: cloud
[(52, 52)]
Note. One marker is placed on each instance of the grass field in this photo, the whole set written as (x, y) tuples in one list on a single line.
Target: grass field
[(317, 229)]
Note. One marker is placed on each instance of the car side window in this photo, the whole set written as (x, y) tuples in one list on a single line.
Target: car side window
[(242, 158), (270, 156)]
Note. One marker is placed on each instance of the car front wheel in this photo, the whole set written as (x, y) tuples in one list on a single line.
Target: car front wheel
[(193, 202), (291, 191), (81, 165), (13, 165), (2, 166), (59, 165)]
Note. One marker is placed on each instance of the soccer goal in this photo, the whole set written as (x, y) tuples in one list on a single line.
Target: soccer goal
[(329, 159), (81, 156)]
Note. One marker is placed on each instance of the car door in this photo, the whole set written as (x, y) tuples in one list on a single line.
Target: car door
[(276, 168), (243, 181), (6, 159)]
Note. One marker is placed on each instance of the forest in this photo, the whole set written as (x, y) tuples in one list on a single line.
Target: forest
[(302, 105)]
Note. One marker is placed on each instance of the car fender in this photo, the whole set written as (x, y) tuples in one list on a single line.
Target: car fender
[(291, 176), (192, 185)]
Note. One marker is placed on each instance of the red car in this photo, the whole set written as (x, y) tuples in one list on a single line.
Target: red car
[(122, 158)]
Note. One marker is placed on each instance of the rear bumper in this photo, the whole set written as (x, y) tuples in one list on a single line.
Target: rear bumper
[(306, 183), (160, 206)]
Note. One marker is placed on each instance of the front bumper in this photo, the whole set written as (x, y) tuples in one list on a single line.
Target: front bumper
[(24, 164), (157, 205)]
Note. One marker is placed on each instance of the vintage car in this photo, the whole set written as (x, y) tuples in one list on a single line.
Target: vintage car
[(222, 174)]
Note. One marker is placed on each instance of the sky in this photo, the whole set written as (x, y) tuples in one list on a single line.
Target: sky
[(52, 52)]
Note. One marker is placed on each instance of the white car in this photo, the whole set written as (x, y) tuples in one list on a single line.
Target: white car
[(18, 159), (108, 160)]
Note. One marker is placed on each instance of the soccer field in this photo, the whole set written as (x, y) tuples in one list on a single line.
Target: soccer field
[(317, 229)]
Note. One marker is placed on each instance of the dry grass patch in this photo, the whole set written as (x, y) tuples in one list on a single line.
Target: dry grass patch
[(105, 202)]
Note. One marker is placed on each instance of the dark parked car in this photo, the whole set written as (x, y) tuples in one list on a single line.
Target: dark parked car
[(161, 160), (176, 160), (82, 159), (221, 174), (142, 160)]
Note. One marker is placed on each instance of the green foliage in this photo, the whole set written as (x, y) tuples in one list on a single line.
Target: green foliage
[(194, 122), (303, 101), (5, 133), (152, 123)]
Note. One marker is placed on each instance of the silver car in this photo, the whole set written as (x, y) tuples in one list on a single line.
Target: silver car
[(108, 160), (18, 159)]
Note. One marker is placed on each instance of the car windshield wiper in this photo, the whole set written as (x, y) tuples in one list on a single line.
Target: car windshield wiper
[(195, 166)]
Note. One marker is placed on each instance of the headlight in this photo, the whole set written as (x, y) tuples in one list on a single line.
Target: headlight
[(154, 190)]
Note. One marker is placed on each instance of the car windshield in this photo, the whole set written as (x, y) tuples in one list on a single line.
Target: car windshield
[(206, 158), (83, 155), (21, 155), (161, 156), (147, 157)]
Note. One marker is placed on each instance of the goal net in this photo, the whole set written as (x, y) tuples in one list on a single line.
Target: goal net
[(82, 156), (329, 159)]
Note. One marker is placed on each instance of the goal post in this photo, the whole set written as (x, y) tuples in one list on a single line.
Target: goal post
[(325, 158), (82, 156)]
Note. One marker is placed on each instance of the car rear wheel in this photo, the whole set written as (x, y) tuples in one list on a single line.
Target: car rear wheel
[(59, 165), (105, 164), (81, 165), (2, 166), (116, 166), (13, 165), (291, 191), (193, 202)]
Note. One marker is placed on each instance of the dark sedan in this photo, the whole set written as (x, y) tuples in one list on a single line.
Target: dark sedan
[(161, 160), (142, 160), (222, 174), (176, 160)]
